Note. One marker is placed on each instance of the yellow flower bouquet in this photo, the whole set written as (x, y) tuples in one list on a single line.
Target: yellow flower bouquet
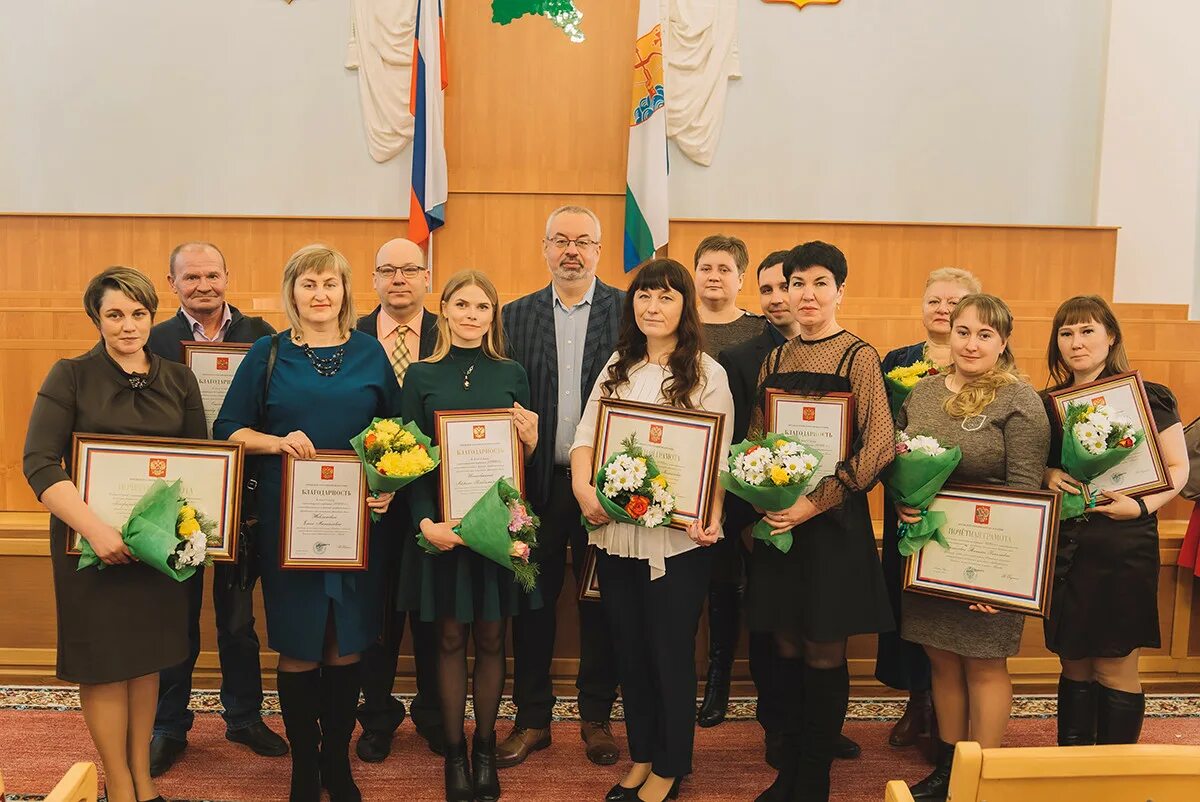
[(394, 453)]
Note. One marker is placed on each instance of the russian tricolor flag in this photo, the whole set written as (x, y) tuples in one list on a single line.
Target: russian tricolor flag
[(430, 187)]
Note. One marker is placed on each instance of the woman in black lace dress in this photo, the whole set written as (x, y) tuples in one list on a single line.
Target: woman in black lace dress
[(829, 586)]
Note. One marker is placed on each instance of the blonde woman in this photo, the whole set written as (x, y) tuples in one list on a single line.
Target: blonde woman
[(900, 664), (325, 386), (462, 592), (983, 406)]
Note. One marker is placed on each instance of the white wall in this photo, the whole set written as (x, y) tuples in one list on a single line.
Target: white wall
[(924, 110), (1150, 159), (947, 110), (188, 106)]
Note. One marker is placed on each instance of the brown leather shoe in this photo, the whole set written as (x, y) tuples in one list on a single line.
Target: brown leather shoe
[(520, 744), (601, 746), (914, 723)]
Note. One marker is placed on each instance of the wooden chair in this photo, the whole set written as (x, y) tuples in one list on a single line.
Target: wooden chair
[(77, 785), (1126, 773)]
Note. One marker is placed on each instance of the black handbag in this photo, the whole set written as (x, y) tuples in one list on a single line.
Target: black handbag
[(246, 570)]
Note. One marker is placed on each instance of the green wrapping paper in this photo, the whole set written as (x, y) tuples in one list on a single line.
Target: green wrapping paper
[(896, 393), (1084, 466), (614, 510), (150, 532), (913, 479), (770, 497), (485, 531), (382, 483)]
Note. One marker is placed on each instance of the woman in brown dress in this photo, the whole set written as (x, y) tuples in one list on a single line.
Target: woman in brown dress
[(984, 407), (117, 627)]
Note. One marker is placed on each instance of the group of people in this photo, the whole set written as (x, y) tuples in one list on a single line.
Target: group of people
[(130, 636)]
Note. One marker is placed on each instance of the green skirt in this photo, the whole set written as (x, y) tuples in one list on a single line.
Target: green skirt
[(459, 584)]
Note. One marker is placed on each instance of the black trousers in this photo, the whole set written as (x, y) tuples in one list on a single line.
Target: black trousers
[(654, 626), (237, 649), (380, 711), (534, 630)]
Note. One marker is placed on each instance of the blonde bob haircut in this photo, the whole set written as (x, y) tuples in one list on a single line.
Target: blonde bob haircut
[(317, 259), (493, 339), (955, 275), (974, 398)]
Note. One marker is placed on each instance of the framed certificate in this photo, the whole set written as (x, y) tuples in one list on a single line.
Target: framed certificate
[(589, 585), (685, 443), (113, 472), (1141, 473), (324, 523), (214, 365), (824, 422), (478, 446), (1002, 548)]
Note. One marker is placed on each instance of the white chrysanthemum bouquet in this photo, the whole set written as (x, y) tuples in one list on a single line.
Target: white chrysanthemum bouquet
[(1096, 437), (770, 474), (631, 488)]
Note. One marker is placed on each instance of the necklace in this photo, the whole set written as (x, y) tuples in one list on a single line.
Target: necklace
[(325, 365), (467, 374)]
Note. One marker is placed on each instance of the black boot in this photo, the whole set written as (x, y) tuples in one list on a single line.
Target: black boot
[(458, 772), (937, 784), (788, 683), (483, 767), (1119, 716), (1076, 712), (299, 702), (826, 694), (724, 618), (339, 703)]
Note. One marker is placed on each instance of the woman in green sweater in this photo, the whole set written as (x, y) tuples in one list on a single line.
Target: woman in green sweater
[(457, 588)]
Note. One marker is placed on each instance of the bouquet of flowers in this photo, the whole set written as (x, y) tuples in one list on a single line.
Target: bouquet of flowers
[(770, 474), (502, 527), (901, 380), (922, 465), (1095, 439), (631, 488), (394, 453), (165, 532)]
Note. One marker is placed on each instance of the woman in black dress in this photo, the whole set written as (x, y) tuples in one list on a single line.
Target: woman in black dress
[(1105, 602), (118, 387), (829, 586), (461, 591), (900, 664)]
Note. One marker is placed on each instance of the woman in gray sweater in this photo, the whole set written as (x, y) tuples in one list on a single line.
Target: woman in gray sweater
[(983, 406)]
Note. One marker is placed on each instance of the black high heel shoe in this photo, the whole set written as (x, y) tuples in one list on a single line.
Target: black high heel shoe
[(620, 793), (673, 793)]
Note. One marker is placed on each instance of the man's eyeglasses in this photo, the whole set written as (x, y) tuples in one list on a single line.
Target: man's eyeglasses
[(408, 271), (582, 243)]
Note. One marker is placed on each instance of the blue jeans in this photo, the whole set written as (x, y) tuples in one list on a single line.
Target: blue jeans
[(237, 648)]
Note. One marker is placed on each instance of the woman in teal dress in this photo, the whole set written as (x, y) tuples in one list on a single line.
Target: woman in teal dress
[(326, 385), (457, 588)]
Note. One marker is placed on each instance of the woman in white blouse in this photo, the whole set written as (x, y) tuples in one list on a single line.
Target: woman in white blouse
[(654, 580)]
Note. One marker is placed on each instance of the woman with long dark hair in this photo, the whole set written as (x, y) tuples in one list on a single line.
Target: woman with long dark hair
[(829, 586), (654, 580), (1105, 603)]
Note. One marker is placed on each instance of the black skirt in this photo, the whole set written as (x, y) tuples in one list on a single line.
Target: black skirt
[(1105, 601), (829, 586)]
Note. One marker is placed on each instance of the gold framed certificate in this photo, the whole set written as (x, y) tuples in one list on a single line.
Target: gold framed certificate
[(478, 446), (1002, 548), (214, 365), (685, 443), (589, 585), (1141, 473), (824, 422), (113, 472), (324, 523)]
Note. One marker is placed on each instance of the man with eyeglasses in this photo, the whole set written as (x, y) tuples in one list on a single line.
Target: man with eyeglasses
[(562, 335), (197, 274), (408, 333)]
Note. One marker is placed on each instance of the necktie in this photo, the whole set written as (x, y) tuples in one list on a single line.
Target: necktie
[(400, 359)]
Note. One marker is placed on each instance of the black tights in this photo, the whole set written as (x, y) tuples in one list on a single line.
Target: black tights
[(487, 681), (816, 654)]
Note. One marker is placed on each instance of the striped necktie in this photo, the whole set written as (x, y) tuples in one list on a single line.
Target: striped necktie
[(399, 358)]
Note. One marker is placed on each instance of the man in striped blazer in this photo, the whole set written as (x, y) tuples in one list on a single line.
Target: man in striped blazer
[(562, 335)]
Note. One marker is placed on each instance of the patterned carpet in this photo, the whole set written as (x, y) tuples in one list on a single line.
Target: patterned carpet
[(42, 734)]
